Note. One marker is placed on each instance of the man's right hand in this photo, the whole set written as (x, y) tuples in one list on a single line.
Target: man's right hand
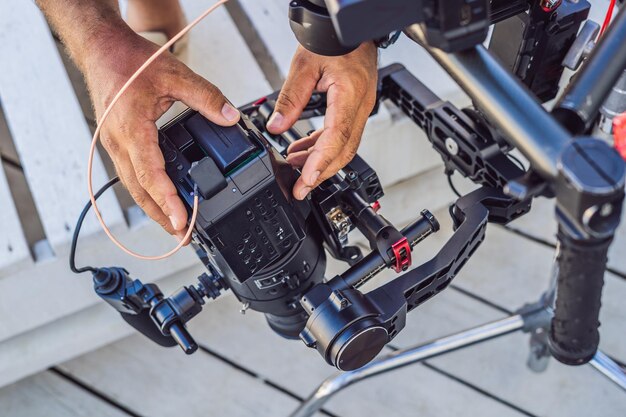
[(130, 135)]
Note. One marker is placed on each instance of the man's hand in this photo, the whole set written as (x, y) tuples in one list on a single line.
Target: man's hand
[(108, 52), (130, 134), (350, 83)]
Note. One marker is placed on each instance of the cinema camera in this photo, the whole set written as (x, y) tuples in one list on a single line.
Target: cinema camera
[(270, 249)]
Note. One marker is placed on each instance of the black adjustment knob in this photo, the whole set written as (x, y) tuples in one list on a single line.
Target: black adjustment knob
[(183, 338)]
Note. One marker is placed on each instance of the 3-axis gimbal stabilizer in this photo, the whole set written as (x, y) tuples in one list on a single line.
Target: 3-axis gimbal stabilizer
[(268, 248)]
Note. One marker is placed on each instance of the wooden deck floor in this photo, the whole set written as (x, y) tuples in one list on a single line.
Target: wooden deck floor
[(243, 369)]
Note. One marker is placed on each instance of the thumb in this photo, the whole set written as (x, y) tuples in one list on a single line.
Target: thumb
[(201, 95), (293, 98)]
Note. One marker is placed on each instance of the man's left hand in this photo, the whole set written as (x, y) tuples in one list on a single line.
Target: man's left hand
[(350, 83)]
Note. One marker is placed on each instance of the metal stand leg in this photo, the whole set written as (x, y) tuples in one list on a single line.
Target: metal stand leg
[(404, 357), (607, 367)]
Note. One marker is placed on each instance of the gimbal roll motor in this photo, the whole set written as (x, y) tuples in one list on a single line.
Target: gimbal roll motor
[(337, 27)]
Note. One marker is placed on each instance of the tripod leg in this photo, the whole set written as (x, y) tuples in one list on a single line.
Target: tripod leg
[(404, 357), (607, 367)]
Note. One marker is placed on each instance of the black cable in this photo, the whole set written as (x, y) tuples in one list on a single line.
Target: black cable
[(79, 224), (451, 184)]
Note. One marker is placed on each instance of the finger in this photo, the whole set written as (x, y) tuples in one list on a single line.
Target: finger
[(342, 109), (305, 142), (201, 95), (347, 152), (297, 159), (294, 96), (126, 173), (149, 169)]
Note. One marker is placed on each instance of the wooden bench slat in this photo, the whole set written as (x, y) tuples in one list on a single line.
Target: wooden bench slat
[(48, 394), (13, 246), (47, 124), (195, 385), (499, 366), (248, 341)]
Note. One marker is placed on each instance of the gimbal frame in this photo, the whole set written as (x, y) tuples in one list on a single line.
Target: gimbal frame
[(547, 141)]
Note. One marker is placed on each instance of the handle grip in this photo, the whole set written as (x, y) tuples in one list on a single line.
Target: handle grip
[(142, 322), (574, 333), (183, 338)]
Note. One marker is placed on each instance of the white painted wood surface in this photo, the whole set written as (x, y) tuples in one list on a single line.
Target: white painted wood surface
[(160, 382), (248, 341), (47, 124), (13, 246), (48, 394)]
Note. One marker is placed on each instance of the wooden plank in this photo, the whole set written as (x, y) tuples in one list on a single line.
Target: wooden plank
[(165, 382), (47, 394), (13, 246), (46, 123), (212, 45), (499, 366), (248, 341)]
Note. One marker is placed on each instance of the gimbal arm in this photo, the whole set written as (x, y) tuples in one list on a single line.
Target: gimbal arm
[(586, 175)]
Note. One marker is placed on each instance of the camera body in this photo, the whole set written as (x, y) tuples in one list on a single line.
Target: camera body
[(268, 246)]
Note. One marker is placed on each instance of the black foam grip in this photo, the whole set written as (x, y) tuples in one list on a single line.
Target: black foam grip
[(574, 333), (143, 323)]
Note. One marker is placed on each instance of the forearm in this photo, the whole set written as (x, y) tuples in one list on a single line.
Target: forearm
[(89, 29)]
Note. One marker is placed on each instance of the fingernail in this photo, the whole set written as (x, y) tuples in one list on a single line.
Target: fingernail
[(180, 236), (276, 119), (314, 176), (229, 112), (305, 191), (175, 223)]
